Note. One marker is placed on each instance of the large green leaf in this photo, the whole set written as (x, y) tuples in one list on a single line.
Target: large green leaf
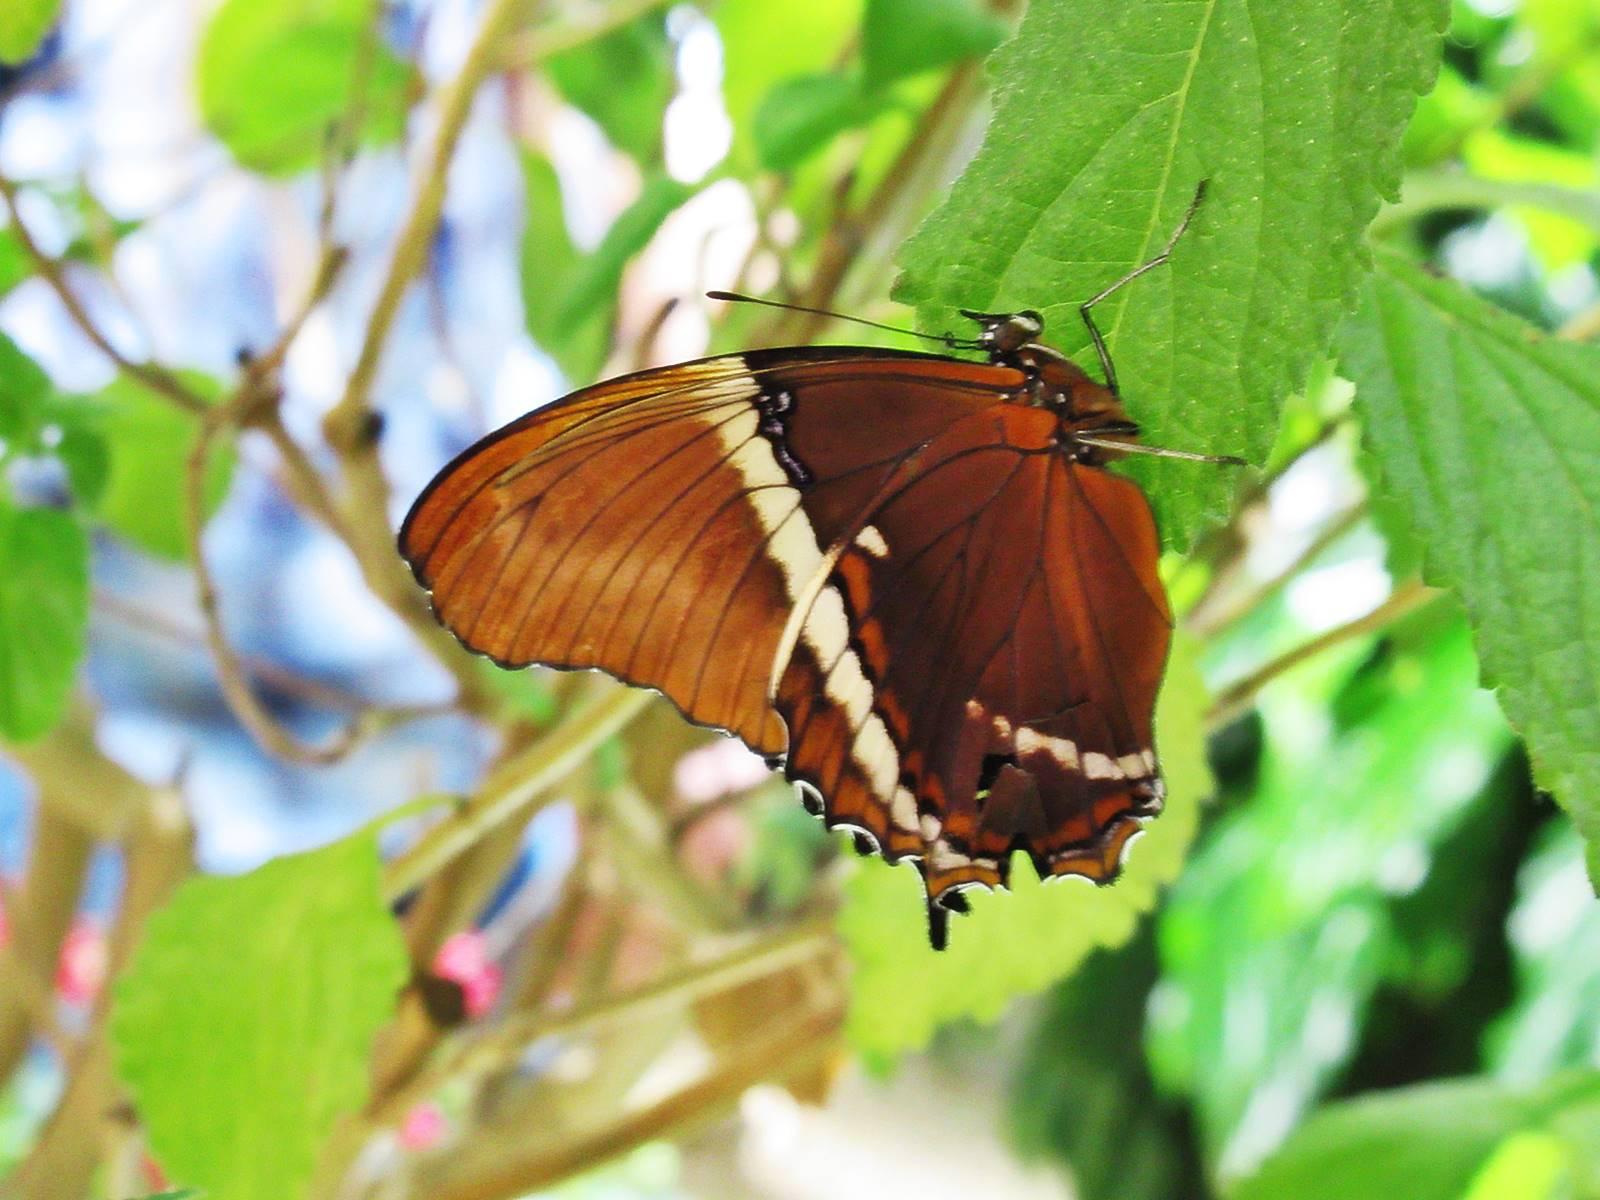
[(44, 616), (1488, 435), (1107, 117), (145, 494), (243, 1025), (23, 25), (1438, 1141), (274, 76), (1016, 942)]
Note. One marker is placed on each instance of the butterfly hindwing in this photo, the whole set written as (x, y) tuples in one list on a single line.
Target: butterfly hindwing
[(978, 673)]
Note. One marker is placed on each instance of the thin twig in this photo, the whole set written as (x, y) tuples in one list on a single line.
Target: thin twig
[(504, 1042), (516, 786), (1234, 699), (347, 423), (158, 379)]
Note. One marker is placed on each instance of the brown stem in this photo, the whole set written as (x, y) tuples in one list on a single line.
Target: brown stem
[(158, 379), (1233, 700)]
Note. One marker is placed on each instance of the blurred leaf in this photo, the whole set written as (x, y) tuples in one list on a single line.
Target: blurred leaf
[(781, 867), (178, 1194), (527, 694), (549, 260), (1559, 240), (764, 43), (1431, 1142), (15, 266), (623, 81), (1082, 1093), (1485, 431), (594, 280), (1444, 117), (1554, 932), (1017, 942), (274, 76), (243, 1025), (1293, 113), (801, 115), (44, 616), (83, 453), (907, 37), (23, 389), (23, 26), (1282, 924), (150, 441)]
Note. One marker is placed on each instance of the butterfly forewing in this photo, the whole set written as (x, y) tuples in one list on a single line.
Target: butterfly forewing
[(659, 526)]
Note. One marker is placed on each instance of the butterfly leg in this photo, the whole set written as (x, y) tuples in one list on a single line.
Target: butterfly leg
[(1086, 309)]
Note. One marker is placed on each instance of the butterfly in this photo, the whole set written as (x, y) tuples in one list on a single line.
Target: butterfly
[(905, 577)]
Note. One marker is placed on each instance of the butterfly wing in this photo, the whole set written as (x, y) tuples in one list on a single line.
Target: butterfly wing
[(979, 672), (659, 526)]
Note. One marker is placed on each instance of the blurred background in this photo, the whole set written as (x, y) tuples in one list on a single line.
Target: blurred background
[(1376, 897)]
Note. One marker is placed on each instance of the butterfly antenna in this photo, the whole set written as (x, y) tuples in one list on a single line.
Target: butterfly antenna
[(945, 339), (1121, 447)]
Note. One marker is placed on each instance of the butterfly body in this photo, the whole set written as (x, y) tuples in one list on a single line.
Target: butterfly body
[(905, 576)]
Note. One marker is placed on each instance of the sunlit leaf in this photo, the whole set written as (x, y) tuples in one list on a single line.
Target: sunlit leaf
[(243, 1025), (1014, 943), (44, 616), (14, 264), (1559, 240), (150, 441), (764, 43), (1107, 118), (906, 37), (801, 115), (274, 76), (623, 80), (549, 260), (1432, 1142), (1486, 432), (23, 26)]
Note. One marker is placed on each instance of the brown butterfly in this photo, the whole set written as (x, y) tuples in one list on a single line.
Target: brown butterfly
[(906, 577)]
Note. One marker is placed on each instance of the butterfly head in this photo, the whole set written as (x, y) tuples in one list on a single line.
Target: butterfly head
[(1003, 334)]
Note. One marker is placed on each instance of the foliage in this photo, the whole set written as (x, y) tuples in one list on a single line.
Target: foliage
[(299, 962), (1287, 114), (1454, 393), (1016, 942), (1367, 968)]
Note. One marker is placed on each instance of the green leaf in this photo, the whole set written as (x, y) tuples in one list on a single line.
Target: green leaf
[(15, 266), (1485, 432), (178, 1194), (906, 37), (274, 76), (87, 460), (243, 1025), (1554, 931), (1287, 910), (150, 441), (44, 616), (1107, 117), (23, 26), (1437, 1141), (549, 260), (801, 115), (1016, 942), (623, 80), (594, 281), (1082, 1093), (23, 389), (764, 43)]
